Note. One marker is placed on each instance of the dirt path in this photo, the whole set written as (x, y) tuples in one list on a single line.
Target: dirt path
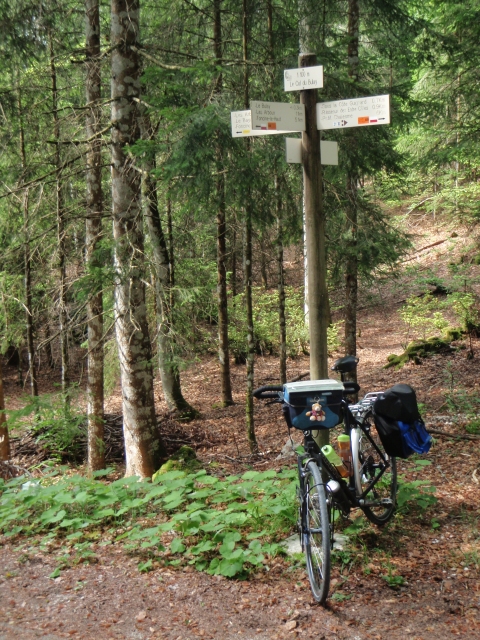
[(112, 600)]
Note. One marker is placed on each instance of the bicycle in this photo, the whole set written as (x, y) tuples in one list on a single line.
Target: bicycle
[(371, 479)]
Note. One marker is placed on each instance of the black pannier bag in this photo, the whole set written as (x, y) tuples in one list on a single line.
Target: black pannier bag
[(313, 404), (399, 424)]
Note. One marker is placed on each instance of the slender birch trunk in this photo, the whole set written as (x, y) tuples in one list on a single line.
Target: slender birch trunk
[(143, 447), (93, 234)]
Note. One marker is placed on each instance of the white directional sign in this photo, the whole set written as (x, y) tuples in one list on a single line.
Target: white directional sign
[(328, 151), (357, 112), (242, 125), (277, 116), (305, 78)]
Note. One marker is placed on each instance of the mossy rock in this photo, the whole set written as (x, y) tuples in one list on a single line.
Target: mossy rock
[(185, 459), (454, 333), (417, 350)]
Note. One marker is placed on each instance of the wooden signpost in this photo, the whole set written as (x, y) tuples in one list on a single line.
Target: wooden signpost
[(308, 117)]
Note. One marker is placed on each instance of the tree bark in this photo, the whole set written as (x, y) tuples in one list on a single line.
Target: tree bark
[(93, 233), (233, 253), (143, 447), (60, 212), (167, 359), (281, 286), (27, 262), (32, 370), (252, 439), (171, 252), (223, 345), (4, 438), (351, 266)]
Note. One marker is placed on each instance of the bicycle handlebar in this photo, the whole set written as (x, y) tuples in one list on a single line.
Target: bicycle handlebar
[(266, 392)]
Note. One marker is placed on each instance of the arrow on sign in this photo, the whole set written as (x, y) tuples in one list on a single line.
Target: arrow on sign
[(361, 112)]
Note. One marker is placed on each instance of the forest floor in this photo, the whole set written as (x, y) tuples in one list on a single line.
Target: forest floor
[(418, 578)]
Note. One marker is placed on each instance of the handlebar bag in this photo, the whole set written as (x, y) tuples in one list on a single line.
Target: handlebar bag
[(300, 397)]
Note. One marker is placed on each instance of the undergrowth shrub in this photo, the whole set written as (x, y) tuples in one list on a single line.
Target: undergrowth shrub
[(54, 422), (222, 526), (266, 324)]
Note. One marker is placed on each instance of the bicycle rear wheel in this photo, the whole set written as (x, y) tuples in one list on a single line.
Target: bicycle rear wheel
[(316, 531), (375, 473)]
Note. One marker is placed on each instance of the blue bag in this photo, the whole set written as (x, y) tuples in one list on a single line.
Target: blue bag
[(415, 437)]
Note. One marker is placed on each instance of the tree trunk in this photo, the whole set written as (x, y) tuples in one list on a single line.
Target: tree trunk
[(281, 286), (167, 359), (233, 253), (351, 266), (143, 447), (252, 439), (223, 346), (62, 275), (4, 438), (263, 262), (93, 233), (27, 262), (32, 371), (171, 253)]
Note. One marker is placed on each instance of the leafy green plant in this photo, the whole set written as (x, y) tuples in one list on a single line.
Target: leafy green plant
[(416, 494), (54, 422), (222, 526), (340, 597), (393, 580)]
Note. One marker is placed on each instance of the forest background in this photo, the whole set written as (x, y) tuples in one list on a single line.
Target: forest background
[(118, 118)]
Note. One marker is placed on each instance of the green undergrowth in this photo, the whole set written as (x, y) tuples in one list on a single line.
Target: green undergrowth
[(227, 526)]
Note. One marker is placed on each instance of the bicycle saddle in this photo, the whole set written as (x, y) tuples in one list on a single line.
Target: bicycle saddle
[(346, 364)]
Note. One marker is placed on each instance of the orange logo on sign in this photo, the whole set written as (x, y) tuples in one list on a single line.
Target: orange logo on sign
[(271, 125), (363, 120)]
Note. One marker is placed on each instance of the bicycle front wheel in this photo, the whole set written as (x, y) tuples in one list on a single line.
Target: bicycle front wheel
[(375, 473), (316, 531)]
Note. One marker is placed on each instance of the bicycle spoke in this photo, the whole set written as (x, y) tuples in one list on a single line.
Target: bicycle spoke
[(317, 533), (376, 479)]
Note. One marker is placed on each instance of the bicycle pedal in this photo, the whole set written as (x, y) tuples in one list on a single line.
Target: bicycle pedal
[(375, 503)]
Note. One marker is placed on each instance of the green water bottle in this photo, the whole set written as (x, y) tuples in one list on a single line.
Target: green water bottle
[(334, 459)]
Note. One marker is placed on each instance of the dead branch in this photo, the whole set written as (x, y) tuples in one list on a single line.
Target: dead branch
[(446, 434)]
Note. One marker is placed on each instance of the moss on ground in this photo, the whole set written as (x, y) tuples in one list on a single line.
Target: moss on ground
[(185, 459), (419, 349)]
